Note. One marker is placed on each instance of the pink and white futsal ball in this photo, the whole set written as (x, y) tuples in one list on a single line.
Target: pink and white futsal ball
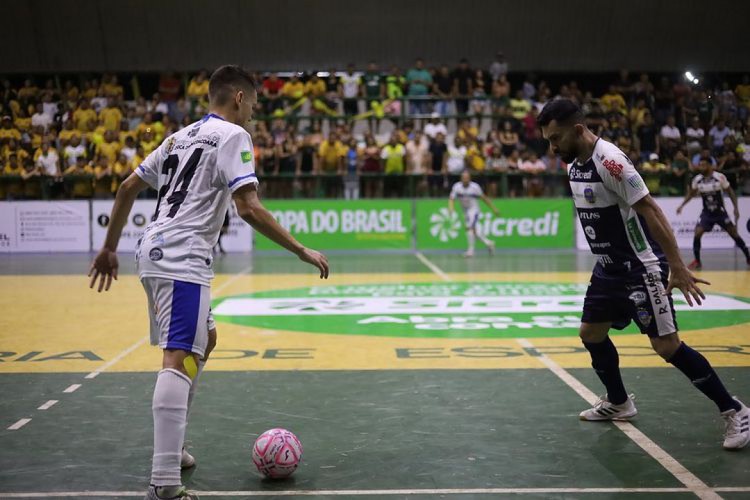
[(277, 453)]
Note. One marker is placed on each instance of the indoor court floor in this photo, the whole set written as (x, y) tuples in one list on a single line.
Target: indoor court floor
[(404, 375)]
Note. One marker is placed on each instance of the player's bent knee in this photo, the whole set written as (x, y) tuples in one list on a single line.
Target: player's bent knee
[(593, 333), (183, 361), (665, 346)]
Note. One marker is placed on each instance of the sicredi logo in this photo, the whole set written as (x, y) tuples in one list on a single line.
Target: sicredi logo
[(343, 221), (455, 310)]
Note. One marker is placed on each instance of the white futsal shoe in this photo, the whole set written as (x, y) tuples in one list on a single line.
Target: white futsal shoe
[(180, 494), (737, 433), (604, 410), (491, 248), (186, 460)]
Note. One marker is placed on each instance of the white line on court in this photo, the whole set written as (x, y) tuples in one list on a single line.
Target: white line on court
[(435, 491), (690, 480), (49, 404), (72, 388), (232, 279), (435, 269), (117, 358), (19, 424)]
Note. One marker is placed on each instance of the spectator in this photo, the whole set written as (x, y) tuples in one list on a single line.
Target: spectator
[(73, 152), (157, 105), (47, 160), (111, 115), (373, 84), (742, 91), (499, 67), (333, 94), (442, 88), (663, 99), (287, 165), (109, 149), (169, 87), (434, 127), (613, 101), (351, 171), (718, 133), (349, 89), (197, 90), (331, 160), (417, 151), (508, 139), (694, 135), (479, 105), (533, 167), (537, 144), (102, 178), (7, 132), (519, 107), (647, 137), (419, 81), (371, 166), (463, 86), (438, 161), (394, 167), (394, 91), (84, 115), (79, 176), (32, 181), (475, 160), (669, 130), (308, 166), (653, 170), (13, 169), (121, 169), (40, 119), (293, 89), (456, 162)]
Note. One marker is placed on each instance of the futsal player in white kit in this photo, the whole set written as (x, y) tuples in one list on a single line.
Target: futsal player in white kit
[(197, 172), (468, 194)]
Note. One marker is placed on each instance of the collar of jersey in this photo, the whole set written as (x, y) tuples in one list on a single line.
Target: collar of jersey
[(212, 115)]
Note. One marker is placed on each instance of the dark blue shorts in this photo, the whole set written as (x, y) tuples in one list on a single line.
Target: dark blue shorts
[(709, 219), (633, 296)]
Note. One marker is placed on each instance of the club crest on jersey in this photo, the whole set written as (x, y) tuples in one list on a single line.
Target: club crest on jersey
[(246, 156), (170, 145), (155, 254), (590, 232), (614, 168), (588, 194)]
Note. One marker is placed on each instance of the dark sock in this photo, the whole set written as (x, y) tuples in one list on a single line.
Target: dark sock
[(697, 249), (741, 243), (704, 378), (606, 364)]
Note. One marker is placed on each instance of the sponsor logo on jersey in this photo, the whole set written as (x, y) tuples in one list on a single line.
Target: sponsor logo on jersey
[(614, 168), (155, 254), (577, 174), (246, 156), (589, 216), (588, 194), (635, 181), (638, 298)]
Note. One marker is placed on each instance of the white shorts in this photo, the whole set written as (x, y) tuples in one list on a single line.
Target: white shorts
[(180, 314), (471, 218)]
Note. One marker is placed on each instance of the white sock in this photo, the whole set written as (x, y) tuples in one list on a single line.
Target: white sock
[(484, 240), (191, 394), (471, 238), (170, 416)]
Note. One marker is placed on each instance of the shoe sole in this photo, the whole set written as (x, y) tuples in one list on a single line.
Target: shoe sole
[(622, 418)]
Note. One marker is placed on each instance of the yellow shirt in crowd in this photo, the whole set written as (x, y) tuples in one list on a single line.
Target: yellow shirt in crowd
[(330, 155)]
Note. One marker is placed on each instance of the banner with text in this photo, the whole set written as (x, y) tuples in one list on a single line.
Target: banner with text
[(522, 223), (341, 224), (238, 237), (45, 226), (684, 224)]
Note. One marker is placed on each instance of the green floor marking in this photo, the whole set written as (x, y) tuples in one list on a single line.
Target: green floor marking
[(450, 310)]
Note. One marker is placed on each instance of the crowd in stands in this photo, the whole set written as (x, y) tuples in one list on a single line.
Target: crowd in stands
[(370, 133)]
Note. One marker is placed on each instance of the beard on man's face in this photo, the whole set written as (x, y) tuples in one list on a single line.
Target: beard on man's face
[(567, 156)]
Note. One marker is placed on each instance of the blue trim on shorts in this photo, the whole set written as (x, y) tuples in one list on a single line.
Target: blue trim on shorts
[(183, 322)]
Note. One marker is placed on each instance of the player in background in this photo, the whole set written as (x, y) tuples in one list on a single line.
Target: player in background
[(711, 186), (468, 194), (198, 172), (637, 252)]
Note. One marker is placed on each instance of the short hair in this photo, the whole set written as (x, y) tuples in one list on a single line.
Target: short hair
[(227, 80), (560, 110)]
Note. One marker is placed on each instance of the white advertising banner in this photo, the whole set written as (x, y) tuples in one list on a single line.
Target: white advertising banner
[(684, 224), (237, 239), (45, 226)]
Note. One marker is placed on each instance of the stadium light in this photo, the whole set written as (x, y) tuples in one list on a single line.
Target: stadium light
[(691, 78)]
